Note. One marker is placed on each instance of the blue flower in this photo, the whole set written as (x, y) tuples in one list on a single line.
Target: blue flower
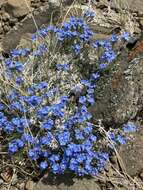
[(43, 111), (3, 120), (63, 165), (95, 76), (48, 125), (85, 83), (8, 127), (86, 36), (85, 112), (2, 107), (45, 153), (111, 136), (15, 53), (12, 95), (90, 91), (125, 36), (34, 100), (73, 164), (107, 45), (20, 143), (63, 138), (89, 14), (91, 99), (42, 85), (9, 63), (56, 109), (27, 138), (16, 121), (47, 139), (121, 139), (64, 99), (31, 90), (79, 134), (76, 48), (109, 56), (18, 66), (51, 92), (54, 158), (87, 145), (1, 115), (92, 138), (114, 38), (20, 124), (56, 168), (102, 66), (68, 151), (129, 127), (33, 154), (19, 80), (88, 130), (17, 106), (43, 165), (19, 121), (82, 99), (19, 52), (12, 148)]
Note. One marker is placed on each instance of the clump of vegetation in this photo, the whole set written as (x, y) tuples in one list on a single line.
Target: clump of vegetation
[(45, 95)]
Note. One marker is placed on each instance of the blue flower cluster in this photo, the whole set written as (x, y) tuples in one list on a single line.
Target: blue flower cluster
[(60, 148), (72, 34), (121, 137), (57, 137)]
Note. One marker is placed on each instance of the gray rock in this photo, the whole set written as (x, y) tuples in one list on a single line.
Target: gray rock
[(66, 184), (132, 154), (28, 26), (25, 41), (18, 8), (132, 5)]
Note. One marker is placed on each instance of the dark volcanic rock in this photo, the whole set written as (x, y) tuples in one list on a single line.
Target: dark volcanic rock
[(120, 95)]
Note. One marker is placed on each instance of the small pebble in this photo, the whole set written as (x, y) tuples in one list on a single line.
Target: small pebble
[(5, 17), (13, 21), (14, 179), (113, 159), (29, 185), (6, 28), (1, 181), (141, 176), (21, 186)]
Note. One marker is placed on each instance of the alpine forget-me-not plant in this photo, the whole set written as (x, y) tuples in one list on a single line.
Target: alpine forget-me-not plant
[(45, 118)]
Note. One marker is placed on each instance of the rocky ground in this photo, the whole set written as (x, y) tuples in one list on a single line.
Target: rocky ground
[(121, 98)]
